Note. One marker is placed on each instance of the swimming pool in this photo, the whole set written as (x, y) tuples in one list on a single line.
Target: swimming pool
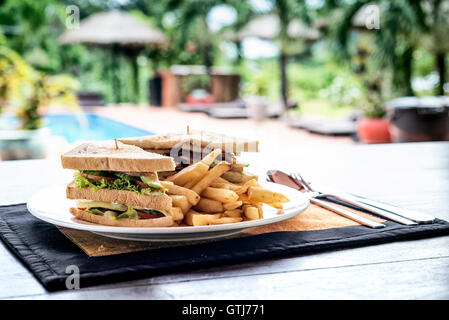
[(86, 127)]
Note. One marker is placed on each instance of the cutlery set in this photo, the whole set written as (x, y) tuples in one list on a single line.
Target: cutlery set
[(323, 196)]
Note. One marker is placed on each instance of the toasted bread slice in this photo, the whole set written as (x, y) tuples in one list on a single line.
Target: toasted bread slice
[(150, 201), (203, 138), (105, 155), (142, 223)]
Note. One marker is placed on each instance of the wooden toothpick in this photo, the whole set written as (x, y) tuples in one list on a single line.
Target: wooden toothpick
[(188, 129), (116, 144)]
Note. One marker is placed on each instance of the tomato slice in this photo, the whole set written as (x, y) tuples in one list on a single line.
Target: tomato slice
[(144, 215), (141, 184)]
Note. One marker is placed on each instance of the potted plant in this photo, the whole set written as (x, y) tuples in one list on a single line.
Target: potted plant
[(23, 91), (257, 99), (373, 127)]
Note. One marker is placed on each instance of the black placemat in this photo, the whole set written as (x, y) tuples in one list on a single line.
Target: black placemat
[(47, 253)]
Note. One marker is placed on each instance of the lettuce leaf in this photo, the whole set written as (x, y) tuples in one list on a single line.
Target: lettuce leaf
[(153, 211), (130, 214), (124, 182), (95, 211)]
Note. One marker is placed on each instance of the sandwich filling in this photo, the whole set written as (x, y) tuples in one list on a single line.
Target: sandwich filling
[(142, 183), (118, 211)]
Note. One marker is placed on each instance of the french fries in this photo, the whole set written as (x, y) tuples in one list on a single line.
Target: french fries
[(260, 208), (222, 195), (251, 212), (191, 173), (235, 213), (209, 205), (177, 214), (209, 159), (181, 202), (210, 176), (222, 185), (258, 194), (201, 197), (194, 218), (232, 205), (225, 220), (191, 195)]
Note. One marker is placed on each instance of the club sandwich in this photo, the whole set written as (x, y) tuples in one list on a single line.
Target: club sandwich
[(117, 184)]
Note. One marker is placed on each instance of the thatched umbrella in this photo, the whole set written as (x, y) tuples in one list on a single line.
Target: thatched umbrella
[(118, 31), (360, 21), (268, 27)]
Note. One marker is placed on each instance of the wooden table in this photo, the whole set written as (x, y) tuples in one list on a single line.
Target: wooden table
[(414, 176)]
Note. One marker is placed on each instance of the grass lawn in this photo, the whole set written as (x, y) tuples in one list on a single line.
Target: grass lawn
[(323, 108)]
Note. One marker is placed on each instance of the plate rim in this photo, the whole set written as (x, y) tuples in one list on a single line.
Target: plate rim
[(166, 230)]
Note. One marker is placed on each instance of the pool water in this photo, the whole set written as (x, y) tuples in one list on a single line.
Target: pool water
[(86, 127)]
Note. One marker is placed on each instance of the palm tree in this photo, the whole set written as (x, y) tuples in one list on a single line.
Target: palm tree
[(405, 25), (394, 40), (287, 11), (276, 23), (436, 39), (192, 26)]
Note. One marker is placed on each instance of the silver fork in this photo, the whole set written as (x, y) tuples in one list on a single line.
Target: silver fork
[(312, 196), (347, 199)]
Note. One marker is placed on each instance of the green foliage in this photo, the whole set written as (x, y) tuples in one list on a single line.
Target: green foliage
[(27, 89), (404, 47), (259, 85)]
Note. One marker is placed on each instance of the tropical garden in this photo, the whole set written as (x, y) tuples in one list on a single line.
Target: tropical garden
[(346, 66)]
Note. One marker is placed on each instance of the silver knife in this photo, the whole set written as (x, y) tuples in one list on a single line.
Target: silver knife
[(380, 212), (406, 213), (417, 217)]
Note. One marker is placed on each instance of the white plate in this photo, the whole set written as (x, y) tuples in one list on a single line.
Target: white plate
[(51, 205)]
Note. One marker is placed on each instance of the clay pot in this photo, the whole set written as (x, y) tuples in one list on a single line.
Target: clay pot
[(373, 130)]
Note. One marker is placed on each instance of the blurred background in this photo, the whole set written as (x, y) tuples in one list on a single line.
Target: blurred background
[(303, 73)]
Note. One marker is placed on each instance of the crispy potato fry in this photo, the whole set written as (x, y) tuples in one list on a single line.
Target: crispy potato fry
[(222, 195), (210, 176), (251, 212), (258, 194), (196, 171), (191, 196), (244, 198), (259, 206), (190, 184), (251, 183), (222, 185), (221, 180), (209, 205), (192, 173), (209, 159), (232, 205), (194, 218), (177, 214), (235, 213), (276, 205), (181, 202), (242, 190), (225, 220)]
